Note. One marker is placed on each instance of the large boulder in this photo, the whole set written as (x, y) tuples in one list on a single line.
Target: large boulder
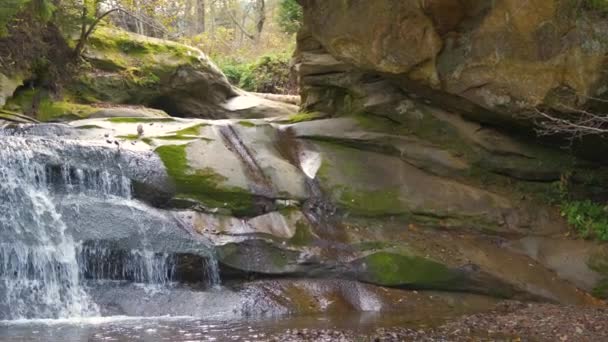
[(125, 72)]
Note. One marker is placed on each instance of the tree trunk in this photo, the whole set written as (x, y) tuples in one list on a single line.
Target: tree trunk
[(261, 18), (200, 16)]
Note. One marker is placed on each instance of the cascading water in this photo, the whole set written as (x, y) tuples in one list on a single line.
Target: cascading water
[(38, 260), (44, 198)]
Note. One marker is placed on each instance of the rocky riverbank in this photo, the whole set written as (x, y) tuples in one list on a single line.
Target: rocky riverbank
[(509, 321)]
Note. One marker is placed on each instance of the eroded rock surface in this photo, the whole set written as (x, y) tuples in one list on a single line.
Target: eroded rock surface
[(504, 56)]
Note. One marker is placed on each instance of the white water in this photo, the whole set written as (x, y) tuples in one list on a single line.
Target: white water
[(42, 267), (38, 268)]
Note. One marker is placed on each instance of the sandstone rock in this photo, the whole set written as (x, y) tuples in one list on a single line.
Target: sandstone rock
[(503, 56)]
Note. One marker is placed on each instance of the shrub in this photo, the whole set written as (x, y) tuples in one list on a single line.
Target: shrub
[(268, 74), (289, 16), (588, 218), (596, 5)]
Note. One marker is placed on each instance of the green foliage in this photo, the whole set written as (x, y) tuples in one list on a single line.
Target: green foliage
[(268, 74), (588, 218), (597, 5), (289, 16), (43, 9), (40, 9)]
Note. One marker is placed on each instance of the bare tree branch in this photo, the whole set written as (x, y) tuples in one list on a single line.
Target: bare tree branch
[(236, 22), (575, 124), (86, 33)]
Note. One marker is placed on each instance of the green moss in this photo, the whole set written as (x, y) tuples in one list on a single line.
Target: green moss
[(52, 111), (129, 137), (599, 6), (192, 130), (48, 109), (247, 124), (303, 117), (134, 67), (303, 235), (8, 10), (601, 289), (107, 39), (139, 120), (204, 185), (371, 203), (401, 270)]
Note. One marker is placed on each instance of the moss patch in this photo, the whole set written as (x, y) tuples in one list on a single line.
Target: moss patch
[(247, 124), (48, 109), (204, 185), (303, 235), (601, 289), (400, 270), (129, 137), (303, 116), (371, 203), (192, 130), (139, 120)]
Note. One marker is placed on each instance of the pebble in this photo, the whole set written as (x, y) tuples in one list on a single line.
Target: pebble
[(510, 321)]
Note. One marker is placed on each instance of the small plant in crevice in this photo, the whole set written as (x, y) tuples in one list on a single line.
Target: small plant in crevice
[(588, 218)]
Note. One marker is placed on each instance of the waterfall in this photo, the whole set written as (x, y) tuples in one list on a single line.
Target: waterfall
[(44, 268), (39, 271)]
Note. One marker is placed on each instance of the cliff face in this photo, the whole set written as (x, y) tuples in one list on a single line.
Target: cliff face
[(505, 56)]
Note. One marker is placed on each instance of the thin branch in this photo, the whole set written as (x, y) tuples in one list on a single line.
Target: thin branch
[(247, 34)]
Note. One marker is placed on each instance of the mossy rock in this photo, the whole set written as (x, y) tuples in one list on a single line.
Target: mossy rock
[(204, 185), (45, 108), (127, 68), (397, 270)]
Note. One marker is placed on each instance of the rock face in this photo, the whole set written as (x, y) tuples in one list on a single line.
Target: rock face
[(429, 126), (391, 175), (355, 198), (505, 56)]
